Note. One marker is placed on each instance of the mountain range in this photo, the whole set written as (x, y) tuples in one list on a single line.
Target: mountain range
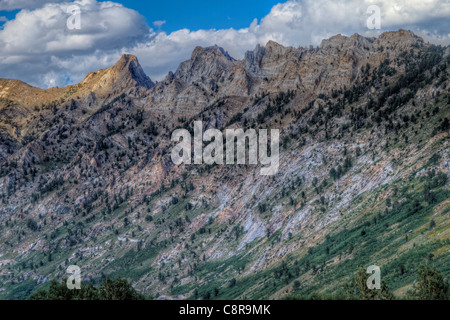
[(86, 176)]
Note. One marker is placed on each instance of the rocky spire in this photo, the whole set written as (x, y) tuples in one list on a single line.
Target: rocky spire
[(205, 63)]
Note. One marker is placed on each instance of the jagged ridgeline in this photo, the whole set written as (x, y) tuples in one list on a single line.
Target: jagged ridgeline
[(86, 176)]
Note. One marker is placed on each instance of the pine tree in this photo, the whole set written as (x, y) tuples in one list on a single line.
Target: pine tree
[(430, 285)]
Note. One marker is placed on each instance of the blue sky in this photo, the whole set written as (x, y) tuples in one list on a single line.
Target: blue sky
[(202, 14), (37, 46), (194, 14), (8, 15)]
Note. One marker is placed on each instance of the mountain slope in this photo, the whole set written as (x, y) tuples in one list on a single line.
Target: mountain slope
[(363, 173)]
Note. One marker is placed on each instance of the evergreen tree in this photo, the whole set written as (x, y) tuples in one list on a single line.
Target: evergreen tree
[(357, 289), (430, 286), (119, 289)]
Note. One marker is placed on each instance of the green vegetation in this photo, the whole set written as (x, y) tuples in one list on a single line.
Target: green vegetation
[(430, 286), (119, 289)]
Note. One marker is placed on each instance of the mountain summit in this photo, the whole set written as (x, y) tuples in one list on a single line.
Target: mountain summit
[(125, 74)]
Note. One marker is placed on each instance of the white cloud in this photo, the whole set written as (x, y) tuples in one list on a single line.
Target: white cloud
[(105, 25), (39, 39), (23, 4), (109, 29), (159, 23)]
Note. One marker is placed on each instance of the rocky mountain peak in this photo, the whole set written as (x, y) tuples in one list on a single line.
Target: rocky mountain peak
[(401, 39), (342, 41), (216, 51), (205, 63), (253, 59), (399, 35), (126, 73), (392, 39), (129, 66), (272, 45)]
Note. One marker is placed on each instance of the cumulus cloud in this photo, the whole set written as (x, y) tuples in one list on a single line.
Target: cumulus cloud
[(56, 55), (8, 5), (39, 40)]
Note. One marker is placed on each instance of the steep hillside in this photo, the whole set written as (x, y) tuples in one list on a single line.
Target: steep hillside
[(87, 178)]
